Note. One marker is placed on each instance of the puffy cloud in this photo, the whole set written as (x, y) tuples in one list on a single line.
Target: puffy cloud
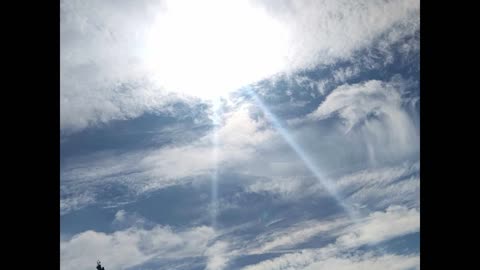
[(133, 246)]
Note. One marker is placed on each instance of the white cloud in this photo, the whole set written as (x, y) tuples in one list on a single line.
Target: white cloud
[(322, 86), (100, 78), (371, 176), (120, 216), (240, 130), (372, 113), (134, 246), (103, 47), (153, 169), (103, 78), (124, 219), (383, 186), (379, 226), (71, 203), (320, 259), (405, 192), (324, 31), (287, 187), (375, 187), (216, 256), (355, 102), (343, 74), (299, 233), (250, 147), (370, 262)]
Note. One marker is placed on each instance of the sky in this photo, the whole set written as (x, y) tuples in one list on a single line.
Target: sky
[(247, 135)]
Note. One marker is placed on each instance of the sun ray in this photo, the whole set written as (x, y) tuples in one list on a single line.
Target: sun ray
[(216, 113), (313, 168)]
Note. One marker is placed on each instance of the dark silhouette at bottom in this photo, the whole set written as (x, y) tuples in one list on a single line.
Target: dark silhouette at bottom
[(99, 266)]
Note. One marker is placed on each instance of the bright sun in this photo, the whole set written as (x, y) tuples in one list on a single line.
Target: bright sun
[(209, 48)]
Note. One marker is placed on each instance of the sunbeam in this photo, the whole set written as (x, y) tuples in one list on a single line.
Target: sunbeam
[(324, 181), (215, 142)]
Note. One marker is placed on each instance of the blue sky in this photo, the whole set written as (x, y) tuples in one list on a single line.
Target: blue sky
[(267, 135)]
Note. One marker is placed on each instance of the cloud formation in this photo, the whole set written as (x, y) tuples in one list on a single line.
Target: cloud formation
[(369, 261), (395, 221), (374, 111), (133, 246), (341, 78), (327, 31), (216, 256), (104, 76), (136, 245), (175, 164), (246, 143)]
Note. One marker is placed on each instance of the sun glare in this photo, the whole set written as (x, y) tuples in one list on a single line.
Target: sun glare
[(209, 48)]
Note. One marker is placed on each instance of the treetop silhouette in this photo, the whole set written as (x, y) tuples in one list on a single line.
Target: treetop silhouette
[(99, 266)]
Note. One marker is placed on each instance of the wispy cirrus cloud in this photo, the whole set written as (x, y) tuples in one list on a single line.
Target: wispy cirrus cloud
[(174, 164), (341, 77), (379, 226), (296, 234), (369, 261), (325, 31), (104, 77), (375, 188), (247, 144)]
